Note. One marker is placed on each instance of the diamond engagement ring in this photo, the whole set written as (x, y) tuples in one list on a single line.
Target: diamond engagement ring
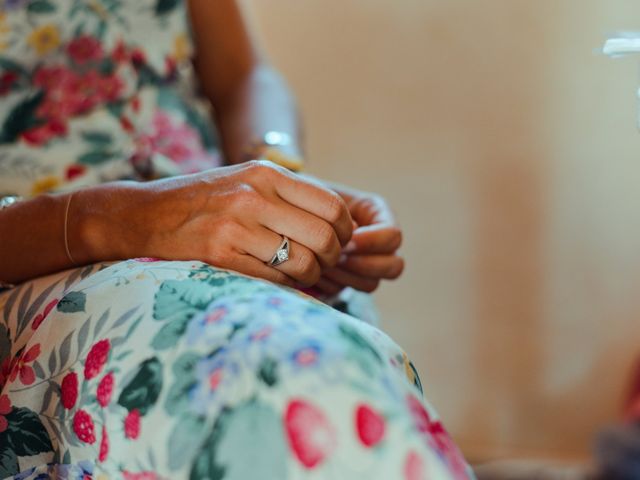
[(281, 255)]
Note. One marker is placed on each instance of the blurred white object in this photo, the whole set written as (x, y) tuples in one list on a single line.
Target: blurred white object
[(623, 44)]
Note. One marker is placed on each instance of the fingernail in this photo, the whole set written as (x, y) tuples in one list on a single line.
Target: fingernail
[(343, 258), (350, 247)]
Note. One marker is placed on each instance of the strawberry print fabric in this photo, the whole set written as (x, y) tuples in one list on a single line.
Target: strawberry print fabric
[(177, 370)]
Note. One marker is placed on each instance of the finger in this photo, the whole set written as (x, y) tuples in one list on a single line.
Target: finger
[(374, 266), (372, 209), (329, 287), (301, 226), (302, 264), (375, 239), (349, 279), (317, 200), (249, 265)]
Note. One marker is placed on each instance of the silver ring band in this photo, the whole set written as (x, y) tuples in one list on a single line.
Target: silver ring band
[(281, 255)]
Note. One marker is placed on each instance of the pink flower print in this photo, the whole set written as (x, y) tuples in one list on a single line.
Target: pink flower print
[(139, 476), (5, 409), (84, 49), (215, 378), (311, 437), (50, 78), (27, 375), (421, 418), (176, 140), (104, 445), (96, 359), (413, 467), (41, 316), (437, 437), (84, 427), (216, 315), (120, 54), (132, 424), (307, 355), (370, 425), (110, 87), (69, 390)]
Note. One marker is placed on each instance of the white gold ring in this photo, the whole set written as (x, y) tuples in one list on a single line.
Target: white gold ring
[(281, 255)]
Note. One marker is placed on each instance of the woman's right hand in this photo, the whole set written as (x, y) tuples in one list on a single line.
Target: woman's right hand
[(231, 217)]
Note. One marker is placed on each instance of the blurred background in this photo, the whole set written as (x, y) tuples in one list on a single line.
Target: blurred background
[(510, 151)]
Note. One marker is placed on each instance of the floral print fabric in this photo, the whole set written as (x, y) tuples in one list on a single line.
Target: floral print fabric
[(153, 369), (84, 100)]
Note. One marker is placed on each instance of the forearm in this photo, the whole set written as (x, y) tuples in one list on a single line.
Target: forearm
[(32, 233), (260, 103)]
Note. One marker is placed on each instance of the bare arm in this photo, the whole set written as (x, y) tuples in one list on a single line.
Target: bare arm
[(249, 97), (32, 232), (225, 217)]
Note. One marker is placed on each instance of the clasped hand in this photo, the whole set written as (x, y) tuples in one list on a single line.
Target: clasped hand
[(235, 217)]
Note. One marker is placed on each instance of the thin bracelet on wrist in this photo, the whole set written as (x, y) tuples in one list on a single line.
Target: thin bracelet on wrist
[(66, 231)]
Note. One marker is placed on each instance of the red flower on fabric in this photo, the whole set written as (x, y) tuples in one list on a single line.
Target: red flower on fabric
[(138, 57), (139, 476), (311, 437), (6, 368), (27, 375), (41, 135), (5, 409), (413, 467), (110, 87), (437, 436), (421, 418), (85, 48), (120, 54), (84, 427), (105, 389), (74, 171), (69, 389), (38, 319), (132, 424), (7, 80), (97, 358), (104, 445), (370, 425)]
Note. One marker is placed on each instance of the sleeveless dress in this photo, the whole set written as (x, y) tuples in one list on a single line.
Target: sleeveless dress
[(148, 369)]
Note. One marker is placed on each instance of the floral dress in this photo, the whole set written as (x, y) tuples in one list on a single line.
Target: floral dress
[(148, 369)]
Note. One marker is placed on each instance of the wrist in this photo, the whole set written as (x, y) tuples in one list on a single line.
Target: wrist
[(99, 226)]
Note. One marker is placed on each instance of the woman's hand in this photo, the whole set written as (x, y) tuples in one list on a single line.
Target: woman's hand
[(231, 217), (371, 255)]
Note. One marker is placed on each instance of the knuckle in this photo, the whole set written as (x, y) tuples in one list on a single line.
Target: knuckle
[(397, 268), (325, 238), (261, 169), (396, 238), (334, 207), (220, 256), (227, 228), (307, 267), (247, 198)]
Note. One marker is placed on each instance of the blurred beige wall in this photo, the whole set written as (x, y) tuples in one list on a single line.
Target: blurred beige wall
[(509, 150)]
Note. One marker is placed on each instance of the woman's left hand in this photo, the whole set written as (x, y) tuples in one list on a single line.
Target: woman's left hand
[(372, 253)]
